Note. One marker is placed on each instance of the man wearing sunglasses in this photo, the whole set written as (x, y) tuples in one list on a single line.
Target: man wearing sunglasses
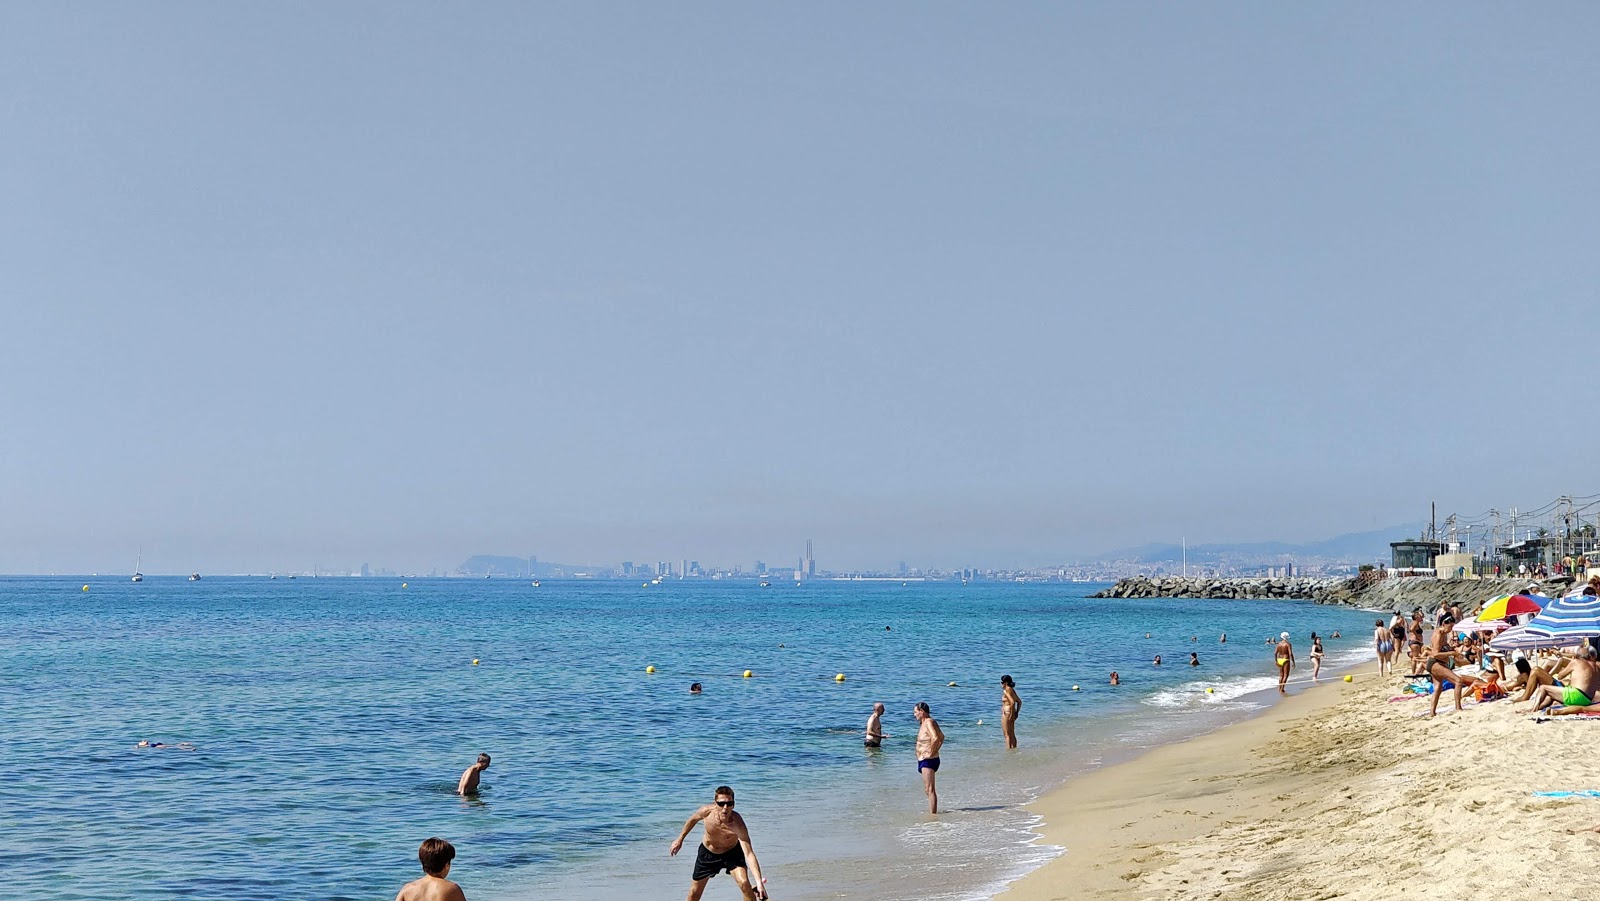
[(726, 847)]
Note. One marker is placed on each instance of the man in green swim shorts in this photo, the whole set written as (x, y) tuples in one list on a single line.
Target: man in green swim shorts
[(1583, 676)]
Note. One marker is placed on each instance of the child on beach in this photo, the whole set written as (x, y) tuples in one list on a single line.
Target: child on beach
[(435, 856)]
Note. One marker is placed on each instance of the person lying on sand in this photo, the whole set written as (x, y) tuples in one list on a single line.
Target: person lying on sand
[(1539, 677)]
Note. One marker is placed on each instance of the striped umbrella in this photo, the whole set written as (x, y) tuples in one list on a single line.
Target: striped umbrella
[(1570, 619), (1525, 638)]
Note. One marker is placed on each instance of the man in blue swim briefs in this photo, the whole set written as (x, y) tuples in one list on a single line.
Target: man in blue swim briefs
[(725, 847), (930, 738)]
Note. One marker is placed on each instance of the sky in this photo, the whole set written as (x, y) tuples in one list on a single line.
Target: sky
[(300, 284)]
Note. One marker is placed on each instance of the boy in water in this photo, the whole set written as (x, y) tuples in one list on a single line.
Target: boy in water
[(435, 856), (469, 779)]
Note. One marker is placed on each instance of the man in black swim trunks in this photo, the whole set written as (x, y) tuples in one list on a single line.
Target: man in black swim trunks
[(726, 846)]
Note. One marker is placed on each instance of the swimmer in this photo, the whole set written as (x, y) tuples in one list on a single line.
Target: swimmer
[(1335, 634), (1157, 661), (929, 739), (1194, 658), (159, 746), (874, 732), (1284, 654), (725, 848), (1224, 639), (435, 855), (694, 688), (1115, 679), (1010, 706), (1147, 635), (469, 779), (1194, 638)]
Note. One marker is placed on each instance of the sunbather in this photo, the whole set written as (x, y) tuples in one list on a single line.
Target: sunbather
[(1583, 675)]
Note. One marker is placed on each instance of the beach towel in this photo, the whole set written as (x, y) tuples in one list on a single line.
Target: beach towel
[(1582, 793)]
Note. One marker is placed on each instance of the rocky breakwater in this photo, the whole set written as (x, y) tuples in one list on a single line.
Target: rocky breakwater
[(1321, 591)]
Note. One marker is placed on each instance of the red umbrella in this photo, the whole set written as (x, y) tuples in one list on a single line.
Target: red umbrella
[(1516, 605)]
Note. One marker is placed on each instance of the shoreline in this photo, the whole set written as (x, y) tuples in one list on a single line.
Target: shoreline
[(1336, 792)]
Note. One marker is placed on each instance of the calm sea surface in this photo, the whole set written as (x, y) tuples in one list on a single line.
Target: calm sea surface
[(332, 718)]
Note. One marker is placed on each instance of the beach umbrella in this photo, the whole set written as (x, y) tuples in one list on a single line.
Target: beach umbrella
[(1495, 626), (1510, 605), (1523, 637), (1569, 620)]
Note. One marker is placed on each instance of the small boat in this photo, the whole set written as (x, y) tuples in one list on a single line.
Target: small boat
[(194, 577), (535, 583), (765, 584), (271, 577)]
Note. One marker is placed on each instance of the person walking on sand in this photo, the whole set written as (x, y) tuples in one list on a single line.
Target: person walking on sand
[(725, 848), (930, 738), (874, 732), (1383, 643), (435, 856), (469, 779), (1010, 706), (1284, 653)]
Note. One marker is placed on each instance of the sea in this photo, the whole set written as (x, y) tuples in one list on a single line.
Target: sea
[(330, 719)]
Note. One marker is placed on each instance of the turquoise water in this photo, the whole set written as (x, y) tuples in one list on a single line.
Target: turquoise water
[(332, 718)]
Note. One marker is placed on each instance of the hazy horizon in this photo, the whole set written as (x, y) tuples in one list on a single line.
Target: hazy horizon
[(400, 283)]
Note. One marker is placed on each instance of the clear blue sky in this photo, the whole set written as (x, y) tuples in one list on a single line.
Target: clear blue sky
[(293, 284)]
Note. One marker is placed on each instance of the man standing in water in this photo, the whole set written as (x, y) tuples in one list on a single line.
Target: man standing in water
[(875, 727), (1284, 653), (726, 847), (929, 739), (469, 779)]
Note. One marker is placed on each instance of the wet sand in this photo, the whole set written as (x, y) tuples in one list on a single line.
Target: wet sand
[(1335, 792)]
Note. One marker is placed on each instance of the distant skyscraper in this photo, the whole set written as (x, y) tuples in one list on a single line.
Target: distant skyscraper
[(365, 571), (811, 562), (683, 568), (761, 568), (627, 567)]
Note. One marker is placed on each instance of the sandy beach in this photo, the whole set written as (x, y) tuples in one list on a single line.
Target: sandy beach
[(1336, 792)]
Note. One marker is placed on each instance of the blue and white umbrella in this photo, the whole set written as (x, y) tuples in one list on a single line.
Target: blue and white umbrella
[(1525, 638), (1569, 620)]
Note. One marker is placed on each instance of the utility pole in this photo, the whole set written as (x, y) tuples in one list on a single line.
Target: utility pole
[(1185, 541)]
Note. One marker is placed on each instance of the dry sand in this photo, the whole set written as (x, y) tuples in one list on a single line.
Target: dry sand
[(1335, 793)]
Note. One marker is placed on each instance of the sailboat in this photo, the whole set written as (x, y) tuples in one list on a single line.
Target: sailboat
[(137, 575)]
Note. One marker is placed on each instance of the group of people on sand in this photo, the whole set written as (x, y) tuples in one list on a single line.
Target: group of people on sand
[(1563, 683)]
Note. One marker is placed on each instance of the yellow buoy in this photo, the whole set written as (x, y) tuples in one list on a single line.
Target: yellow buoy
[(748, 674), (839, 677), (1211, 691), (1349, 678), (474, 661), (85, 588), (953, 685), (405, 584), (649, 669), (1075, 688), (644, 584)]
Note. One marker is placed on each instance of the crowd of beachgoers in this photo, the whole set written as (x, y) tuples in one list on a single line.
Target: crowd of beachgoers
[(1483, 655)]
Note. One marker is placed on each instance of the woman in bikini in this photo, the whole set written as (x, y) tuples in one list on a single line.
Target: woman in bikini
[(1010, 706), (1439, 666), (1381, 641), (1316, 655)]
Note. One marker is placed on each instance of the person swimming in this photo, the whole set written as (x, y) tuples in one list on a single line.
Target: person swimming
[(694, 688), (1115, 679)]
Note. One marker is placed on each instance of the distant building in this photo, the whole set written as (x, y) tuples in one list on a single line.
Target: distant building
[(1415, 553), (365, 571), (761, 568)]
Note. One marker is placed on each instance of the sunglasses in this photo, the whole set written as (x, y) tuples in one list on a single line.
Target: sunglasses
[(724, 803)]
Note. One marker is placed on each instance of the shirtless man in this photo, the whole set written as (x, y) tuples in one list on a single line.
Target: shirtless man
[(469, 779), (875, 727), (1284, 654), (1583, 677), (435, 855), (929, 739), (726, 846)]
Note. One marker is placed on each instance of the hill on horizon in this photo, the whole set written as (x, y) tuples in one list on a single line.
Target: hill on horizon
[(1355, 547)]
